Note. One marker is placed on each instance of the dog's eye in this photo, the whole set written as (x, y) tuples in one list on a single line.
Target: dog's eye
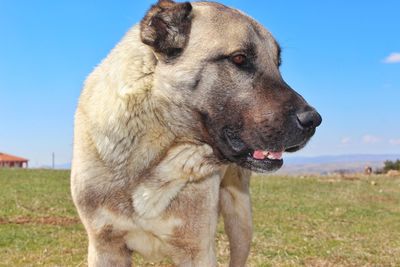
[(239, 59)]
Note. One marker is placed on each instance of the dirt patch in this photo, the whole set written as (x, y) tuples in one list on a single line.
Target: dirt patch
[(382, 199), (47, 220), (393, 173)]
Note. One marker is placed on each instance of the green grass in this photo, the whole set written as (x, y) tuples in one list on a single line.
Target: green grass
[(311, 221)]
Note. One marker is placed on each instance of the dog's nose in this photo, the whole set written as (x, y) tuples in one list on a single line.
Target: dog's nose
[(309, 119)]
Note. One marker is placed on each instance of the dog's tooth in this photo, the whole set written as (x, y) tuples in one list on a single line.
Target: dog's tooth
[(275, 155)]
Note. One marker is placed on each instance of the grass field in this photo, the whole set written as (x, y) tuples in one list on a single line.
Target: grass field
[(311, 221)]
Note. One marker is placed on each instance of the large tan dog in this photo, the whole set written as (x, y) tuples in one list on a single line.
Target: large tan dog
[(167, 130)]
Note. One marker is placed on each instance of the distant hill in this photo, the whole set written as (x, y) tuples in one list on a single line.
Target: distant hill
[(330, 163)]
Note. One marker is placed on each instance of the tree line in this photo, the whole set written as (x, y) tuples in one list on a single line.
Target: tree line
[(391, 165)]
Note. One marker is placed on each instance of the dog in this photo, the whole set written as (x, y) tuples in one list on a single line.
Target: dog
[(168, 129)]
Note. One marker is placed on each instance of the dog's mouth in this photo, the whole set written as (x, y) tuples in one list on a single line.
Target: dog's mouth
[(257, 160), (263, 160), (260, 160)]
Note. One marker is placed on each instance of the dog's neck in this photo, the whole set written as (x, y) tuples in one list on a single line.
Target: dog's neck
[(127, 77)]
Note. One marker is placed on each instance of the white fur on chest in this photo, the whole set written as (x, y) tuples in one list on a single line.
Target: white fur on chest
[(149, 237), (184, 163)]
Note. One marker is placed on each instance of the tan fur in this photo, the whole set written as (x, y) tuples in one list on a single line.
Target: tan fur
[(127, 170), (141, 179), (235, 206)]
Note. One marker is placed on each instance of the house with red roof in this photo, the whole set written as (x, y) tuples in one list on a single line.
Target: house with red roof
[(10, 161)]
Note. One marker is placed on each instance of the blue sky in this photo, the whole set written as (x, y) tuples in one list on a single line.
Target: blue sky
[(340, 55)]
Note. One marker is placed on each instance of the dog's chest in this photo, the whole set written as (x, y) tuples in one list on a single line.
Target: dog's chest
[(182, 164), (188, 221), (169, 202), (149, 237)]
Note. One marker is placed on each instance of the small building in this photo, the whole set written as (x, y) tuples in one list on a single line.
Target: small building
[(10, 161)]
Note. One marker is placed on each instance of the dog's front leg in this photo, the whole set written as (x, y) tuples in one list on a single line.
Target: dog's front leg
[(235, 207), (196, 207), (107, 250)]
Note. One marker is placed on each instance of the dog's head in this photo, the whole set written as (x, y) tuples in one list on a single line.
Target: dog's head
[(224, 67)]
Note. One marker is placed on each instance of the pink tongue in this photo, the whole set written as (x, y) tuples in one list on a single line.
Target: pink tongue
[(258, 154)]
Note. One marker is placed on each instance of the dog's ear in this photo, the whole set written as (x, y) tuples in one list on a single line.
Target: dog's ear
[(166, 27)]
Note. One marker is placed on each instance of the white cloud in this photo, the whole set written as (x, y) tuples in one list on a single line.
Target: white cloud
[(370, 139), (394, 141), (345, 140), (392, 58)]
